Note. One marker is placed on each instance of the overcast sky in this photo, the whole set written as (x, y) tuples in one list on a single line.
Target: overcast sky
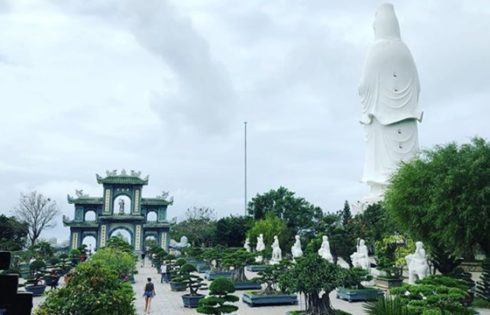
[(165, 86)]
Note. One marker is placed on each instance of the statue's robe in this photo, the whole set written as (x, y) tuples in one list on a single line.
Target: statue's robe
[(389, 93)]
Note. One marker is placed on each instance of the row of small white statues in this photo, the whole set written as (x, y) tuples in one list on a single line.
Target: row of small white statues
[(416, 262), (296, 250)]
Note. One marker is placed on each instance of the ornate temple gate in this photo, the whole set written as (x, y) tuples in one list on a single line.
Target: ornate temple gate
[(121, 207)]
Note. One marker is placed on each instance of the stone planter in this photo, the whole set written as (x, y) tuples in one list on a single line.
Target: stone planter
[(191, 301), (274, 299), (247, 285), (202, 267), (366, 294), (472, 266), (256, 268), (36, 290), (388, 283), (177, 286), (211, 275)]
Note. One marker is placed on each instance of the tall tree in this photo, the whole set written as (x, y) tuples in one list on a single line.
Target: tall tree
[(296, 211), (231, 231), (13, 233), (443, 197), (346, 214), (38, 212), (199, 226)]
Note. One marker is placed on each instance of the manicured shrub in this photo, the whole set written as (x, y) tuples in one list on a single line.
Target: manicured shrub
[(219, 299)]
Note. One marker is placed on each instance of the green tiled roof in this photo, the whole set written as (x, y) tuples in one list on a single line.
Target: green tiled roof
[(122, 179), (155, 202), (85, 200)]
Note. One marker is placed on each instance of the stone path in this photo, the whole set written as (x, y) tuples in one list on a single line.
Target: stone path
[(167, 302)]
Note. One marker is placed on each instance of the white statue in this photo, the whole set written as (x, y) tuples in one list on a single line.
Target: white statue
[(389, 92), (276, 252), (361, 257), (121, 206), (176, 247), (247, 245), (296, 250), (260, 247), (417, 264), (324, 250)]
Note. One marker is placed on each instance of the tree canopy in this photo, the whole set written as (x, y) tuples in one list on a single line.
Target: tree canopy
[(443, 197), (295, 211), (12, 233), (199, 226), (231, 231)]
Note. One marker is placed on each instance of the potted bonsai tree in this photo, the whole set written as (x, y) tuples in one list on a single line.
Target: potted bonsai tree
[(219, 299), (313, 277), (35, 284), (238, 259), (390, 259), (214, 257), (174, 271), (75, 256), (271, 294), (193, 282), (352, 288)]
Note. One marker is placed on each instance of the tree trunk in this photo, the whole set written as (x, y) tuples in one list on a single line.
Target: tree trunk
[(316, 305)]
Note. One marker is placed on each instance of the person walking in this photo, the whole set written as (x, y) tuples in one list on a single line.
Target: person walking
[(149, 294), (163, 270)]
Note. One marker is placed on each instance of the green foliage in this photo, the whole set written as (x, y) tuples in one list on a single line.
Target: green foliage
[(481, 303), (483, 286), (443, 197), (121, 261), (391, 252), (199, 226), (117, 242), (433, 299), (42, 250), (270, 276), (269, 226), (94, 288), (193, 282), (352, 278), (373, 225), (342, 237), (238, 259), (219, 299), (231, 231), (386, 306), (310, 276), (295, 211), (13, 233), (214, 254)]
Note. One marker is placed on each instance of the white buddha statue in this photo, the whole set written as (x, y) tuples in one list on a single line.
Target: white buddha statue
[(418, 268), (296, 250), (247, 245), (324, 250), (361, 257), (389, 92), (276, 252), (260, 247)]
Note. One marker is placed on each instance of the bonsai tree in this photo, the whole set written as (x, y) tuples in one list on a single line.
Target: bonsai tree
[(193, 282), (214, 256), (483, 286), (238, 259), (390, 255), (270, 276), (436, 295), (353, 278), (315, 278), (219, 299)]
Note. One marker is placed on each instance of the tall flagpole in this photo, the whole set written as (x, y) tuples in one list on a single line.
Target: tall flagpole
[(245, 169)]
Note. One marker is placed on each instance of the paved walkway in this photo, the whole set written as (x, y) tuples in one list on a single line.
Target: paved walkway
[(167, 302)]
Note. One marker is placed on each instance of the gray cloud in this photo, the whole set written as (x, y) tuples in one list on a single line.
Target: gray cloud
[(148, 85)]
